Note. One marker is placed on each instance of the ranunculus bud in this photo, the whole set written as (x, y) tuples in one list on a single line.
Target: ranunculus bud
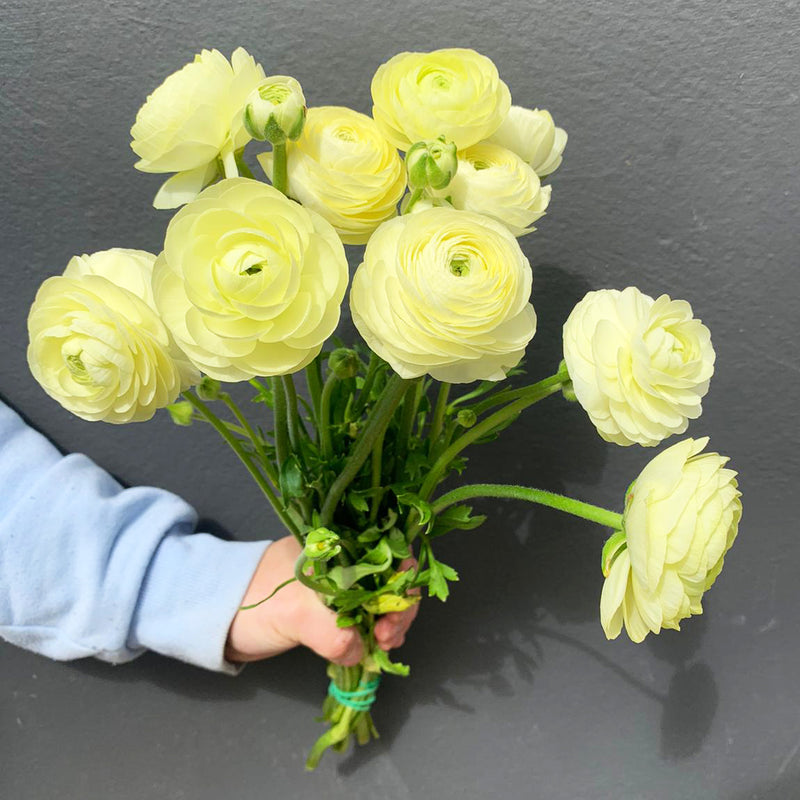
[(208, 388), (344, 363), (681, 516), (321, 545), (466, 418), (431, 164), (181, 412), (276, 110)]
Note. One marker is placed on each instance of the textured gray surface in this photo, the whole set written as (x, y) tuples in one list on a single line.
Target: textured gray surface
[(681, 175)]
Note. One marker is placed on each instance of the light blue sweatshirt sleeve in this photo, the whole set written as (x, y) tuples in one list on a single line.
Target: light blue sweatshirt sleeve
[(88, 568)]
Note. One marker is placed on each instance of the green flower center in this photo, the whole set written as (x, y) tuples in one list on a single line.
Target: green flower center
[(459, 265), (275, 94), (78, 369)]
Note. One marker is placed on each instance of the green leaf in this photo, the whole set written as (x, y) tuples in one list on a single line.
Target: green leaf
[(358, 501), (397, 544), (382, 660), (290, 479), (346, 622), (456, 518), (264, 394), (439, 575), (414, 501), (379, 559)]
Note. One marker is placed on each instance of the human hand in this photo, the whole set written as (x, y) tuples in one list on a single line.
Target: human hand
[(296, 615)]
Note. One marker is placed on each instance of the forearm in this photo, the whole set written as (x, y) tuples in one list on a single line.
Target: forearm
[(89, 568)]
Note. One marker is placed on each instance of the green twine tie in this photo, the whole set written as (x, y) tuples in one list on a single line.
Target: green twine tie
[(360, 699)]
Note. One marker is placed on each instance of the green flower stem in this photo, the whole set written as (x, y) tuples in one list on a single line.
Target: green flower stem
[(377, 422), (244, 170), (534, 393), (410, 406), (254, 437), (377, 477), (293, 416), (602, 516), (515, 394), (314, 381), (237, 429), (439, 411), (369, 380), (300, 574), (281, 432), (324, 424), (237, 448), (229, 163), (279, 180)]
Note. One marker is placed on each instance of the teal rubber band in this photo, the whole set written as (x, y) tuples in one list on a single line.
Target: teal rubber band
[(360, 699)]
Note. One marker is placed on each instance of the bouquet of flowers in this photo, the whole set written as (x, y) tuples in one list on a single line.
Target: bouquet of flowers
[(248, 288)]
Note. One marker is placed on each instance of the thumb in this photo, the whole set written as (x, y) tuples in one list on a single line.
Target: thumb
[(319, 632)]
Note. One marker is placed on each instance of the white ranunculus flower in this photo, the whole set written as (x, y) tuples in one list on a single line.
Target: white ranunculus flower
[(533, 136), (344, 169), (249, 283), (445, 292), (456, 93), (191, 119), (97, 344), (681, 517), (493, 181), (639, 367)]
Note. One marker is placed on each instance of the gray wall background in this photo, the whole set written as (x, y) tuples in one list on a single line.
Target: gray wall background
[(681, 175)]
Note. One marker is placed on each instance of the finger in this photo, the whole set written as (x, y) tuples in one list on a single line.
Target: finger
[(340, 645)]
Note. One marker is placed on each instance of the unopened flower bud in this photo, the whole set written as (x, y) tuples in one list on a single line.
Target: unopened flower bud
[(321, 545), (431, 164), (344, 363), (181, 412), (276, 110), (466, 418), (208, 388)]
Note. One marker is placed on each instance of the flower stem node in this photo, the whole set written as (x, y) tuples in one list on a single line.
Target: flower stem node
[(276, 110), (344, 363), (208, 389), (431, 164), (322, 544)]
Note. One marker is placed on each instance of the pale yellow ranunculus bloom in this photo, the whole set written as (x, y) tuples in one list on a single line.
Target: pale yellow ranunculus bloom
[(97, 344), (343, 168), (534, 137), (681, 517), (456, 93), (492, 180), (445, 292), (639, 367), (192, 118), (249, 283)]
